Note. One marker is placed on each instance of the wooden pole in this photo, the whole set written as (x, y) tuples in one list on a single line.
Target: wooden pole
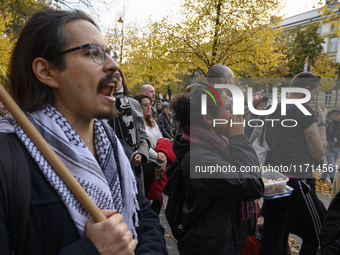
[(51, 156)]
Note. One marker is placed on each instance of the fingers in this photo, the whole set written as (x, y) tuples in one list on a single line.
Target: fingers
[(111, 236), (160, 170), (161, 158), (137, 159), (109, 213)]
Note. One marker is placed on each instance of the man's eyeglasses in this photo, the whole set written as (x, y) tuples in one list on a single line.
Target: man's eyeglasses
[(97, 52)]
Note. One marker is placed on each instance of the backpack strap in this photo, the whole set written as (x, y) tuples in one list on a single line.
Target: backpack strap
[(15, 180)]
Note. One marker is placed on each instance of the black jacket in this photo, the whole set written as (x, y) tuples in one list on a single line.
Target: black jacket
[(165, 126), (156, 116), (213, 210), (51, 230)]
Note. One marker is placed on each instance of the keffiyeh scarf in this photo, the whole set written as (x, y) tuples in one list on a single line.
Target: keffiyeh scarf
[(108, 180)]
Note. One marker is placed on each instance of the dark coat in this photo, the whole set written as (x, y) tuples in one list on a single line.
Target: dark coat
[(156, 116), (51, 230), (212, 214), (165, 126)]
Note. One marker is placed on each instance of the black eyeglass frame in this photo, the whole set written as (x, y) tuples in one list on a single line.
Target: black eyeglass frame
[(108, 51)]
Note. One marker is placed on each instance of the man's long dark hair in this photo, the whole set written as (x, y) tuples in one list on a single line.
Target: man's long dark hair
[(125, 87), (42, 36)]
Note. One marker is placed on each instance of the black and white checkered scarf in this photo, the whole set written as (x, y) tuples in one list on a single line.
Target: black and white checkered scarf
[(108, 180)]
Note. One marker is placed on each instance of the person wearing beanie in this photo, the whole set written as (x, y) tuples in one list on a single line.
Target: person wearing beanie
[(159, 106), (165, 121)]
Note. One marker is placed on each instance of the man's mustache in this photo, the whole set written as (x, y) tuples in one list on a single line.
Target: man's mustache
[(105, 80)]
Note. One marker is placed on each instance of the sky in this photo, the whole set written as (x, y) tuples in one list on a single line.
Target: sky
[(294, 7), (140, 12)]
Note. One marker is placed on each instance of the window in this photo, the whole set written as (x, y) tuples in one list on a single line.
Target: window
[(333, 44), (319, 30), (327, 97), (333, 27), (312, 102)]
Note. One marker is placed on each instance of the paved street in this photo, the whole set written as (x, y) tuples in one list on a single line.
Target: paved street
[(171, 242)]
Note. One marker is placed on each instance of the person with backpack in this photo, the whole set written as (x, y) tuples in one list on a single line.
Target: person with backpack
[(293, 146), (218, 211), (61, 76)]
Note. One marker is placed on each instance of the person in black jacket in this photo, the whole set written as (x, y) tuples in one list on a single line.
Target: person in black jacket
[(61, 75), (166, 122), (219, 204)]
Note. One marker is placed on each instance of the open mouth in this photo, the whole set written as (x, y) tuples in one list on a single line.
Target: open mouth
[(107, 90)]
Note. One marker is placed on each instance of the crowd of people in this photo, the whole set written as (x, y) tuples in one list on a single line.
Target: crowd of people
[(123, 150)]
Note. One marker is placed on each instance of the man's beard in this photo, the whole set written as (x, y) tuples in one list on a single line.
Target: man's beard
[(109, 114)]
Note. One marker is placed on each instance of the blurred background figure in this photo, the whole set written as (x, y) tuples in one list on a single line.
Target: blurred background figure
[(218, 210), (165, 121), (160, 156), (129, 125), (159, 106)]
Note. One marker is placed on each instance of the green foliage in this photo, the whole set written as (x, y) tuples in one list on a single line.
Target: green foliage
[(238, 34), (234, 33), (13, 15), (330, 11), (303, 43), (328, 71)]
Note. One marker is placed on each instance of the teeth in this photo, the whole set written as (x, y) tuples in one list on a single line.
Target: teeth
[(111, 84)]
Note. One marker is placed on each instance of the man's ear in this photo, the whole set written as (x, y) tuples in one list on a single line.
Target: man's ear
[(309, 89), (45, 73), (208, 118)]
